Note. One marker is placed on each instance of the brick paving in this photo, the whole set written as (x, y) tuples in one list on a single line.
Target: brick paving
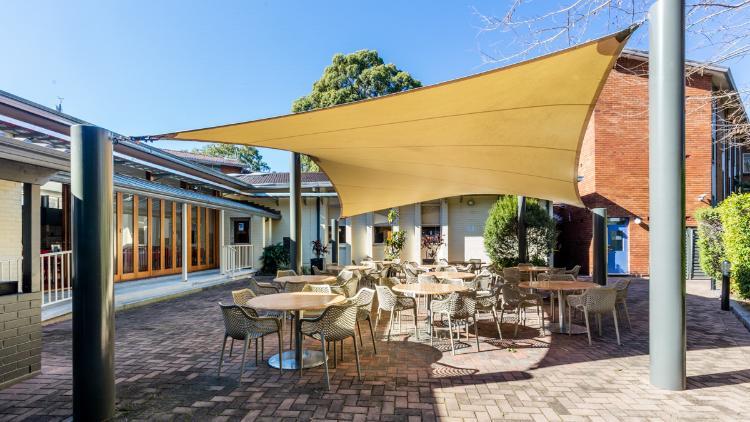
[(167, 353)]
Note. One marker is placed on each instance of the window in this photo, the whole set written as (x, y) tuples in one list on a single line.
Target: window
[(156, 234), (168, 235), (127, 233), (142, 233), (746, 163), (381, 234)]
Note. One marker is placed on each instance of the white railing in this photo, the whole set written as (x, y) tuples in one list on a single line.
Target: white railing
[(55, 274), (11, 269), (237, 257)]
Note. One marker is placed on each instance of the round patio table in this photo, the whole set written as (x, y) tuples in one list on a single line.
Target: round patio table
[(334, 267), (305, 279), (427, 267), (428, 289), (296, 303), (449, 274), (357, 267), (560, 286)]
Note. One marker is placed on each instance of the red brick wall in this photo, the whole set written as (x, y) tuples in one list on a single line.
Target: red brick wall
[(614, 161)]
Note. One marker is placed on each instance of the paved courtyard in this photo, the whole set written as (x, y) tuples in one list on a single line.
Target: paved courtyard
[(167, 354)]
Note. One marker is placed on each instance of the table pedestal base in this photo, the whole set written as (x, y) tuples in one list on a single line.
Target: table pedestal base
[(574, 329), (311, 359)]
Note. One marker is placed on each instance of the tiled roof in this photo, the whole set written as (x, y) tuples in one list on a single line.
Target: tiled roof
[(282, 178), (206, 159)]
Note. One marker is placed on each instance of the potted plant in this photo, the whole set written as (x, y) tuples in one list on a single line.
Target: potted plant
[(395, 243), (431, 244), (320, 250)]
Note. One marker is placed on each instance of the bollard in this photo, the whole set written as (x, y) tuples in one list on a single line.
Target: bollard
[(726, 268)]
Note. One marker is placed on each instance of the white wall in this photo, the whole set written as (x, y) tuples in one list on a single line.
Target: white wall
[(466, 227), (10, 218)]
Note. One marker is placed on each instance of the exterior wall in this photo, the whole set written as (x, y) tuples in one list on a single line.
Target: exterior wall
[(10, 218), (20, 336), (466, 227), (614, 162)]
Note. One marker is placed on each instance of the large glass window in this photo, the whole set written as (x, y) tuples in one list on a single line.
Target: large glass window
[(194, 233), (204, 233), (127, 233), (115, 233), (156, 234), (178, 235), (168, 234), (142, 234), (211, 236)]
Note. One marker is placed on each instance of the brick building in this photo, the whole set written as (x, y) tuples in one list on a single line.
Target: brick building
[(614, 165)]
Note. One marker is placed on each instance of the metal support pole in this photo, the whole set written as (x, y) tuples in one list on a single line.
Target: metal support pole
[(335, 241), (30, 238), (93, 301), (667, 346), (185, 246), (600, 245), (295, 213), (523, 250)]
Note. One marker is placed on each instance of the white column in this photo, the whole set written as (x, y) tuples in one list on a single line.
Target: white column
[(369, 219), (417, 246), (443, 252), (222, 257), (185, 246), (263, 230)]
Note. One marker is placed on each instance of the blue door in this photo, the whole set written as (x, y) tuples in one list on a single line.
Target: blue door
[(617, 245)]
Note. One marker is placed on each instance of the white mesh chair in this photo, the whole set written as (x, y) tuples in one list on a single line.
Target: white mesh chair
[(574, 271), (394, 304), (489, 302), (458, 308), (363, 300), (512, 275), (317, 288), (595, 301), (242, 323), (622, 296), (285, 273), (514, 300), (336, 323), (346, 283), (261, 288), (317, 271)]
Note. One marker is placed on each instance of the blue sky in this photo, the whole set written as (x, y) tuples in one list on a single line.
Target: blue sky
[(147, 67)]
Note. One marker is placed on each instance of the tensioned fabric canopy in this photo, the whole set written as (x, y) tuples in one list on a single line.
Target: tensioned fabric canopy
[(513, 130)]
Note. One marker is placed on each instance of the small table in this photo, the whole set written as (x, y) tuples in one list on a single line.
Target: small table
[(560, 286), (427, 267), (334, 267), (305, 279), (296, 303), (449, 274), (357, 267)]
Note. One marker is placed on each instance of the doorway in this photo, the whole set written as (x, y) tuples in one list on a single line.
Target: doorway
[(241, 231), (617, 246)]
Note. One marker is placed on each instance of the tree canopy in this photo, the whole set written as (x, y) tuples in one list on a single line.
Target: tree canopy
[(247, 155), (353, 77)]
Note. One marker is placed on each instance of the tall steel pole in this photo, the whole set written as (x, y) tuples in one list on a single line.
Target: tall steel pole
[(295, 212), (93, 298), (522, 240), (600, 245), (667, 194)]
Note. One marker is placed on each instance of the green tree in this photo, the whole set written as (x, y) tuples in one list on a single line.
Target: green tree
[(353, 77), (247, 155), (501, 235), (735, 219), (710, 241)]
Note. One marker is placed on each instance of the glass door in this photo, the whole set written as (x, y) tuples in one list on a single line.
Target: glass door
[(617, 246)]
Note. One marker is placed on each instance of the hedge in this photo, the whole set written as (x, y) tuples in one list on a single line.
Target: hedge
[(710, 241), (735, 219)]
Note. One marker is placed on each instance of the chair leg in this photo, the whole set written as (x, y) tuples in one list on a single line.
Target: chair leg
[(599, 324), (588, 329), (476, 329), (341, 343), (430, 328), (325, 360), (570, 321), (372, 336), (221, 357), (262, 348), (390, 325), (617, 328), (377, 318), (335, 355), (244, 351), (497, 323), (231, 346), (416, 330), (450, 331), (627, 315), (518, 320), (256, 352), (359, 333), (356, 358)]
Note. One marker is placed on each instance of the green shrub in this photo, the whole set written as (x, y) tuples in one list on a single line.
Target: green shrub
[(274, 257), (735, 218), (501, 235), (710, 242)]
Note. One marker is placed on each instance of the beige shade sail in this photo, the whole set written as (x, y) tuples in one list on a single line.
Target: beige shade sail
[(514, 130)]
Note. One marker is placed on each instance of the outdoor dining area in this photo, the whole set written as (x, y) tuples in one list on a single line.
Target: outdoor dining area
[(415, 303)]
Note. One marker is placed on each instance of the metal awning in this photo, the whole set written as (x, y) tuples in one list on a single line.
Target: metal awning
[(514, 130)]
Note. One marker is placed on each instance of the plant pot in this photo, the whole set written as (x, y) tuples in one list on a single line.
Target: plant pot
[(428, 261), (8, 287), (318, 262)]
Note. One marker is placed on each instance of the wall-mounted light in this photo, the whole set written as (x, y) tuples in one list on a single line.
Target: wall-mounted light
[(638, 220), (702, 197), (470, 202)]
